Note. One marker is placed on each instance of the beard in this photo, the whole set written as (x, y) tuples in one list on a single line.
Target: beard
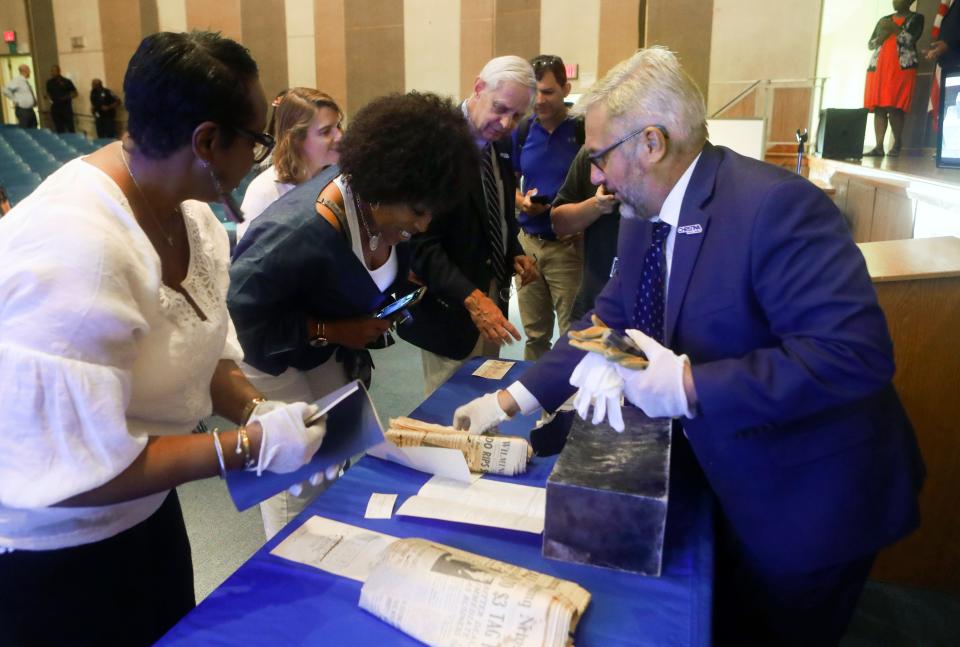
[(631, 202)]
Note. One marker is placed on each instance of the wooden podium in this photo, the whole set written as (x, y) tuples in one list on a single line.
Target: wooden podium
[(918, 285)]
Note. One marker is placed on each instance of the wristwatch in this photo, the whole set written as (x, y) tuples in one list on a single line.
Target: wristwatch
[(319, 339)]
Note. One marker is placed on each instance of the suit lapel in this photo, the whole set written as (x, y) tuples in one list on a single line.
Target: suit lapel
[(692, 229)]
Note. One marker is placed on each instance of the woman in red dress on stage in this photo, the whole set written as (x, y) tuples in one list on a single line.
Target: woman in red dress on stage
[(892, 73)]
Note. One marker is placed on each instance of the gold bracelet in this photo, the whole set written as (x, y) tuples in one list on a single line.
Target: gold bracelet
[(248, 409)]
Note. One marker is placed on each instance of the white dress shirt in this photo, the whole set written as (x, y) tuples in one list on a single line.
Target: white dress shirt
[(19, 91)]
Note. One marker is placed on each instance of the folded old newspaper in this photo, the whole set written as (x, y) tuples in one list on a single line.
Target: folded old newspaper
[(507, 455), (445, 596), (438, 594)]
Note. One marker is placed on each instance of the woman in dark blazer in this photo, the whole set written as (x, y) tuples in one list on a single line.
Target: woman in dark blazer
[(314, 267)]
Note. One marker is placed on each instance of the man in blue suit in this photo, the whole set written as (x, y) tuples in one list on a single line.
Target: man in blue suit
[(765, 342)]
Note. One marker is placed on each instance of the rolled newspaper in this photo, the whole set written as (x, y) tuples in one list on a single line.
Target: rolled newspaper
[(506, 455)]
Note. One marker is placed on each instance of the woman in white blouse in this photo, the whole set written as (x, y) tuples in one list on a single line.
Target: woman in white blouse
[(114, 342), (307, 129)]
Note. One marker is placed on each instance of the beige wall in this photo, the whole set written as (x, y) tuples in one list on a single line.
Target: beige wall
[(431, 43), (13, 15), (759, 39), (78, 19), (172, 15), (301, 50)]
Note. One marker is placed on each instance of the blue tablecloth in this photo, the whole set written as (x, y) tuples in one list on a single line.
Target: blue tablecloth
[(271, 601)]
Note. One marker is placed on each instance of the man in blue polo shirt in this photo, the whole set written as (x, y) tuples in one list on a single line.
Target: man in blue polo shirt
[(543, 148)]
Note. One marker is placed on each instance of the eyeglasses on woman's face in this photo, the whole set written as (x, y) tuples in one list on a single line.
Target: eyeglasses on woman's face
[(262, 143)]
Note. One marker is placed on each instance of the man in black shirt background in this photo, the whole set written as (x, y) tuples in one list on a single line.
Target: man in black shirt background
[(61, 92), (104, 104)]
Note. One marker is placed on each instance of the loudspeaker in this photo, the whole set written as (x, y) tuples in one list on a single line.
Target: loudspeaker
[(841, 132)]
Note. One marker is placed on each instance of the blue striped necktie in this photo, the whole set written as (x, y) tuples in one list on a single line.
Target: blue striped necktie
[(494, 216), (648, 313)]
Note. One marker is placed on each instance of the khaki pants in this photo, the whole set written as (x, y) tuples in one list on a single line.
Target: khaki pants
[(561, 269), (437, 369)]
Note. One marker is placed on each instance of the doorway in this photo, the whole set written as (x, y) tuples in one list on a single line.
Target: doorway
[(10, 69)]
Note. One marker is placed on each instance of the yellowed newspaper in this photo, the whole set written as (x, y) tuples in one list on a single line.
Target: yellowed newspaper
[(448, 597), (506, 455)]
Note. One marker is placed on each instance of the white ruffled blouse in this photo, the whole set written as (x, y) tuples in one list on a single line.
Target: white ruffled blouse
[(96, 354)]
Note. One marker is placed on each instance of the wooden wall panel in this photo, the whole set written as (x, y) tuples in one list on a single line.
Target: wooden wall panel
[(476, 40), (924, 316), (860, 200), (264, 28), (620, 34), (119, 41), (517, 28), (222, 16), (892, 215), (374, 38), (686, 27), (791, 110), (331, 49)]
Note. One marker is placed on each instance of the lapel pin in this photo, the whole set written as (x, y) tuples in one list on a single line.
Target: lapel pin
[(690, 229)]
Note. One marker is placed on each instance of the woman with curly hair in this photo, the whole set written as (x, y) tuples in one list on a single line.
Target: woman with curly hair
[(312, 269), (307, 130)]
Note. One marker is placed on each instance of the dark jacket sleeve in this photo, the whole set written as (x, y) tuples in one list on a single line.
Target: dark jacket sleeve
[(266, 305), (433, 266)]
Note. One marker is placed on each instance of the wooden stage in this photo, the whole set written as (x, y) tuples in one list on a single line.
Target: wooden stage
[(892, 198)]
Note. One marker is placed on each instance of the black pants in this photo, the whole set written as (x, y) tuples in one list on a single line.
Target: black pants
[(26, 117), (107, 124), (752, 607), (62, 115), (125, 590)]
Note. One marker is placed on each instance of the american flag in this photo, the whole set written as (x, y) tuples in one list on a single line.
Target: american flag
[(933, 106)]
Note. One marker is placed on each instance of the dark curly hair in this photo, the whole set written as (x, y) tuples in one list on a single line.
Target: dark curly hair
[(412, 148), (175, 82)]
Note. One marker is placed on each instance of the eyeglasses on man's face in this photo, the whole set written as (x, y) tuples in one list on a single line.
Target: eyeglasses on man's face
[(599, 159), (263, 143)]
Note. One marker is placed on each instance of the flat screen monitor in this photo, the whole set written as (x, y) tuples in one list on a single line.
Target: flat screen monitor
[(948, 137)]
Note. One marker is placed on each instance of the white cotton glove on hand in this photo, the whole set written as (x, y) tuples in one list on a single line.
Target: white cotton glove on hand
[(287, 442), (601, 385), (479, 415), (658, 389), (265, 407)]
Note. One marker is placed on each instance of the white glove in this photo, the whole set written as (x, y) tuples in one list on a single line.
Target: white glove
[(658, 389), (265, 407), (479, 415), (287, 444), (599, 384)]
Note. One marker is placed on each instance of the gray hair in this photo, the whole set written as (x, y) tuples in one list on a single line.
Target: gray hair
[(509, 68), (650, 88)]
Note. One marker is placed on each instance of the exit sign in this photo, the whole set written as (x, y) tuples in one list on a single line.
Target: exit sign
[(10, 36)]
